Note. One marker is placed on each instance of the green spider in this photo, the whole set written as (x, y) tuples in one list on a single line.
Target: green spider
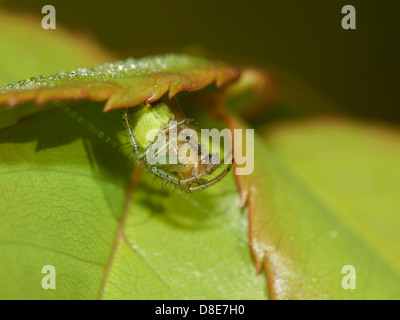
[(187, 175)]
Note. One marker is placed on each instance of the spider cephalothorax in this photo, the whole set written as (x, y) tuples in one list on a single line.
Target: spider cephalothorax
[(171, 149)]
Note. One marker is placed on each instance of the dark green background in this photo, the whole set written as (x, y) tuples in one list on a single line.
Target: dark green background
[(358, 69)]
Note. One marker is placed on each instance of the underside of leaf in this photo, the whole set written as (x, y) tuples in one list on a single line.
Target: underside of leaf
[(124, 83)]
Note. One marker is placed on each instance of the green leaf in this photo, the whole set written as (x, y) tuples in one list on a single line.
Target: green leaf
[(69, 205), (184, 247), (123, 83), (324, 195)]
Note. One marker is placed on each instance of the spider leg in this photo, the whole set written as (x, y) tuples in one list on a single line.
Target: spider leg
[(187, 120), (164, 175), (212, 182), (135, 147), (184, 121), (176, 182), (210, 168)]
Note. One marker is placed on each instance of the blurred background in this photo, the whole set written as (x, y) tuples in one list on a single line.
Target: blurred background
[(358, 69)]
